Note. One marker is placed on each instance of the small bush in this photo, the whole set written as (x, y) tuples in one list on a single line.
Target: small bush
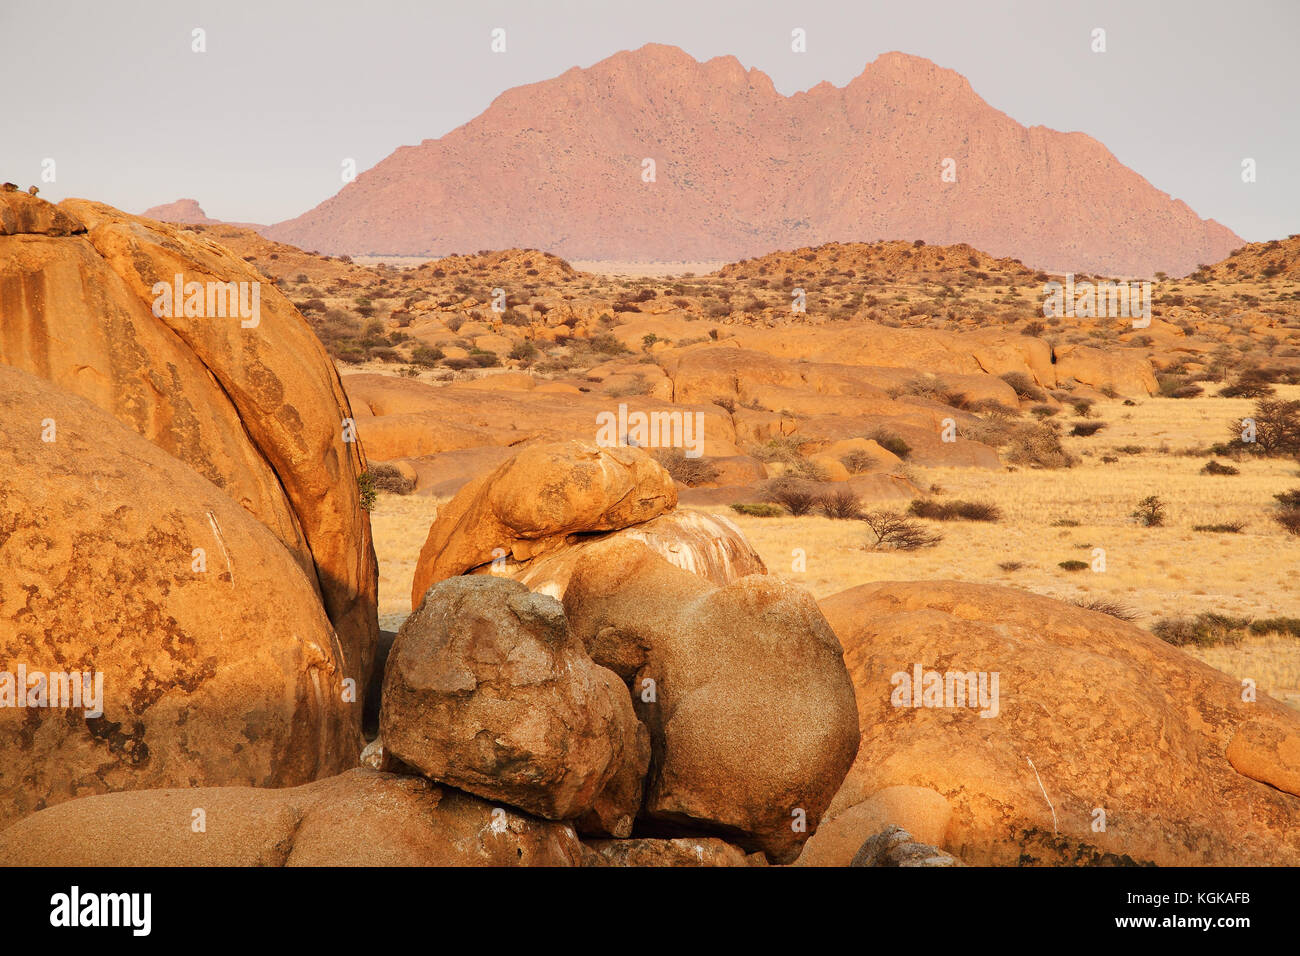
[(366, 490), (1039, 446), (1216, 468), (841, 504), (1226, 527), (1073, 565), (1276, 625), (795, 498), (1087, 429), (758, 510), (891, 443), (385, 477), (1010, 566), (1203, 630), (954, 510), (684, 470), (423, 355), (783, 449), (606, 343), (524, 351), (1150, 512), (1024, 386), (1289, 520), (1103, 606), (896, 532), (859, 462)]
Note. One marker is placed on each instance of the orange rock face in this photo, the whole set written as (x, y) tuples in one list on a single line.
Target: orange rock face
[(252, 404), (359, 818), (1091, 714), (553, 165), (750, 711), (533, 501), (487, 690), (217, 663)]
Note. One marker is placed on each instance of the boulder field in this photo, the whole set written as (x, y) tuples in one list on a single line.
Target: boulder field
[(665, 706), (589, 675)]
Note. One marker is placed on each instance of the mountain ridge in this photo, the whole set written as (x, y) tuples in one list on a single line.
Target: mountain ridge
[(741, 170)]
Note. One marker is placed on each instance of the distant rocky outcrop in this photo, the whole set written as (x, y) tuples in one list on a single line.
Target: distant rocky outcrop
[(187, 211)]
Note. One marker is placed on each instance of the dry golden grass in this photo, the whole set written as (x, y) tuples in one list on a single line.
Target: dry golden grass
[(1168, 571), (399, 524)]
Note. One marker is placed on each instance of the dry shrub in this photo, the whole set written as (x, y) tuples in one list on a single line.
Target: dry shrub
[(1024, 386), (1203, 630), (683, 469), (792, 495), (859, 462), (895, 531), (954, 510), (1103, 606), (1039, 446), (385, 477), (840, 504)]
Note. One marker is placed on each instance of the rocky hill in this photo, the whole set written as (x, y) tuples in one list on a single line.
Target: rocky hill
[(740, 170)]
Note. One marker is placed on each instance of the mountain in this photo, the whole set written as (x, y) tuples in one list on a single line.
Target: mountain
[(742, 170), (186, 211)]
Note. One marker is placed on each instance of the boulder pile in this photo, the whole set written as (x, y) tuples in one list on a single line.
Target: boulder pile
[(680, 707)]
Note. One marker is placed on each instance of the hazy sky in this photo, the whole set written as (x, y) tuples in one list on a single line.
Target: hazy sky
[(256, 127)]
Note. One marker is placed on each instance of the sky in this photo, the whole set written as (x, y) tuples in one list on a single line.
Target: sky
[(257, 126)]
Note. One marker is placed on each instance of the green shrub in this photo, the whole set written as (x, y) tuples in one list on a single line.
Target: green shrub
[(366, 490), (891, 442)]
